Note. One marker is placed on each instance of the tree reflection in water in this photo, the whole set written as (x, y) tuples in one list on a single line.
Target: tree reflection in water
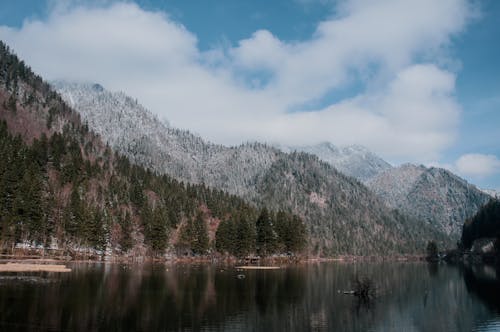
[(410, 296), (482, 281)]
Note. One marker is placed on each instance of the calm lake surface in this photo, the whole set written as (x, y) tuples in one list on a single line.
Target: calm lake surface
[(113, 297)]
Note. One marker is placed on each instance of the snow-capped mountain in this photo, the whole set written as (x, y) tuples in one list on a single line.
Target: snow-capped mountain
[(431, 194), (141, 136), (342, 215), (354, 160)]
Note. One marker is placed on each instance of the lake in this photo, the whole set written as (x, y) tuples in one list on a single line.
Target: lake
[(309, 297)]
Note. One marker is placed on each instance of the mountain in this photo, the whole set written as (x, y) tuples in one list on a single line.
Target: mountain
[(63, 189), (433, 195), (341, 214), (144, 139), (354, 160)]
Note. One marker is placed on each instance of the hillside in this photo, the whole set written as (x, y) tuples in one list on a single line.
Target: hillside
[(342, 214), (256, 173), (62, 188), (433, 195), (484, 224)]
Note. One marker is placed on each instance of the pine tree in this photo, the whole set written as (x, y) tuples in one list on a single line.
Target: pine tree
[(73, 214), (126, 241), (266, 237), (226, 236), (186, 235), (34, 211), (298, 238), (136, 192), (291, 232), (155, 228), (199, 242), (245, 243), (94, 231)]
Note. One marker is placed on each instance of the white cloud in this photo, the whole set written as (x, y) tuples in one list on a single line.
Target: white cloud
[(407, 109), (478, 165)]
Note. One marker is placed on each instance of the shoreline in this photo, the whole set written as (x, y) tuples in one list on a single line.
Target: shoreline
[(36, 257)]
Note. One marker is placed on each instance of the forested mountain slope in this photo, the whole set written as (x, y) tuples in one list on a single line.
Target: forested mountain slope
[(484, 224), (341, 215), (434, 195), (62, 187)]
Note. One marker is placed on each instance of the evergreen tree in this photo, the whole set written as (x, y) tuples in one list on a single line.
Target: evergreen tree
[(199, 242), (74, 214), (136, 192), (266, 237), (34, 211), (186, 235), (94, 231), (160, 230), (226, 236), (291, 232), (155, 224), (245, 242), (193, 236), (126, 241)]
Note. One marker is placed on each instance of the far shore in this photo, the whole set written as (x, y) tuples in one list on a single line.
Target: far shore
[(251, 262)]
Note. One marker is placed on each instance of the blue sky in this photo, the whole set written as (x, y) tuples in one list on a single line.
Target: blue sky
[(413, 81)]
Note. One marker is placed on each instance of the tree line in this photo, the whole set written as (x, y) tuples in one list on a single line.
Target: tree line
[(267, 235), (53, 189)]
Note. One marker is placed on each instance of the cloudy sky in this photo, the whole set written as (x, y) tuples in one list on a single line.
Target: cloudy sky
[(415, 80)]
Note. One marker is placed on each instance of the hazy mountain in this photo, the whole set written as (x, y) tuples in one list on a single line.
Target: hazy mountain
[(434, 195), (354, 160), (341, 214)]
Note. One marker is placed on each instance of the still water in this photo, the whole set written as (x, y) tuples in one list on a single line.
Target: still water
[(113, 297)]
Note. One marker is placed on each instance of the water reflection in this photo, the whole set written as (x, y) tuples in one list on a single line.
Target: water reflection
[(411, 297), (482, 281)]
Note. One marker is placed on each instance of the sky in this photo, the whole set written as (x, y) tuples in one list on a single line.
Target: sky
[(412, 80)]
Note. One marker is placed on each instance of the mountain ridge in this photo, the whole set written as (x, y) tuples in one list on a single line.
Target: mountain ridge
[(254, 171), (431, 194), (353, 160), (64, 189)]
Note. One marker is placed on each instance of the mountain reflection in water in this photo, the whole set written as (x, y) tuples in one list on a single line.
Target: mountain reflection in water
[(108, 297)]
